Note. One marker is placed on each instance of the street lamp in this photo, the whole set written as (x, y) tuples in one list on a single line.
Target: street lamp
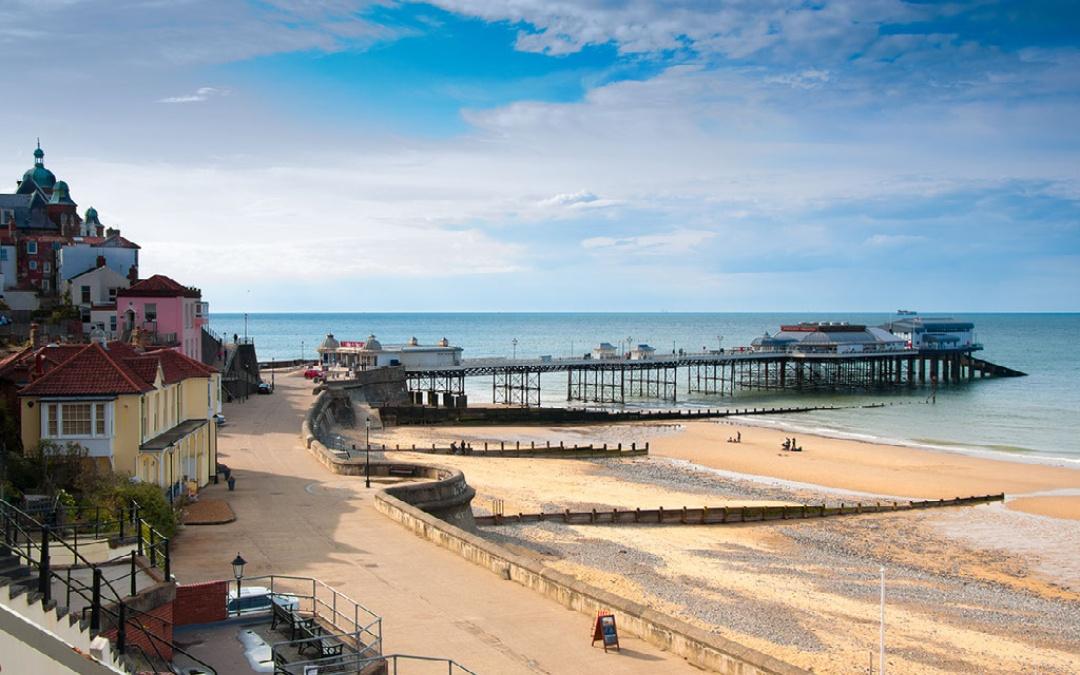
[(367, 452), (514, 342), (238, 572), (719, 343)]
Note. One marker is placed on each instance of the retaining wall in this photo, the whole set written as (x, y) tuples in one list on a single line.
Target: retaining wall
[(699, 647)]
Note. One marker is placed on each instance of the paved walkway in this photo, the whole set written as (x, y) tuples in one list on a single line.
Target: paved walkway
[(295, 517)]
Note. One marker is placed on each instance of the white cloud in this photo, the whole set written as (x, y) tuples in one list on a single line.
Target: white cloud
[(894, 240), (201, 94), (663, 244)]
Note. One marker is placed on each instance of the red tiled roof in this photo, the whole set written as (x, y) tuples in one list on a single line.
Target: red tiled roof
[(159, 285), (92, 371), (178, 366), (146, 367), (119, 369), (17, 366)]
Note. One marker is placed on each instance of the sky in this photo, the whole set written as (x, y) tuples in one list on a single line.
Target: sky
[(550, 155)]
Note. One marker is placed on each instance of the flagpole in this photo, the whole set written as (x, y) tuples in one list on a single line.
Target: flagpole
[(881, 638)]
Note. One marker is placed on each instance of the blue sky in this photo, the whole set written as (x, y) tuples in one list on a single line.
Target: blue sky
[(535, 155)]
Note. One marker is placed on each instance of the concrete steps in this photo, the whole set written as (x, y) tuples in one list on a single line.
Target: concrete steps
[(49, 627)]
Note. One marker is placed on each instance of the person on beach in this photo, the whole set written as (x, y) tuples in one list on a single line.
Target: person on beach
[(453, 448), (738, 437)]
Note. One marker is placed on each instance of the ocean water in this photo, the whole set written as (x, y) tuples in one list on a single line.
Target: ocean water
[(1035, 417)]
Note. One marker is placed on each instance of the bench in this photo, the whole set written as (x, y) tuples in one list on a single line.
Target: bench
[(324, 644), (401, 471), (294, 621)]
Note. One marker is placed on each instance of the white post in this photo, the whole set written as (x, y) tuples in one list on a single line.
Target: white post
[(881, 638)]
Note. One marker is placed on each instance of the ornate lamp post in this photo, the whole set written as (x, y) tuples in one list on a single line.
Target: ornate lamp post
[(238, 572), (514, 342)]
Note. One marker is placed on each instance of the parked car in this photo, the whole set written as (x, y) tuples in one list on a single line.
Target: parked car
[(313, 373), (255, 599), (219, 420), (265, 388)]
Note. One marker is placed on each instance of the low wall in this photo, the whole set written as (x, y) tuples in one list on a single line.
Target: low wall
[(444, 493), (697, 646)]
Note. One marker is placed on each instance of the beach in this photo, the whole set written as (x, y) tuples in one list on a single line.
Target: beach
[(969, 589)]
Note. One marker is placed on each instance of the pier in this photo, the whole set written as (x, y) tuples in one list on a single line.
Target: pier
[(516, 382)]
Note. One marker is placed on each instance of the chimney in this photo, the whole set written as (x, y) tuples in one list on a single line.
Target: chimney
[(101, 261), (34, 335), (133, 275), (99, 230), (112, 231), (39, 365), (11, 225)]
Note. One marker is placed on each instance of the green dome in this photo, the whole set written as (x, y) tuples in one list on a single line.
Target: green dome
[(91, 215), (42, 177), (39, 153), (60, 194)]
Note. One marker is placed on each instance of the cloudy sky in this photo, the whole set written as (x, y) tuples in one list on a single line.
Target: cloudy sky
[(556, 155)]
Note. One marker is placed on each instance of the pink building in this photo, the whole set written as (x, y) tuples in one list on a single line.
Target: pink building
[(166, 312)]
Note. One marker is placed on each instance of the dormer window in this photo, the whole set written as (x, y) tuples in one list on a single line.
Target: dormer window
[(31, 247)]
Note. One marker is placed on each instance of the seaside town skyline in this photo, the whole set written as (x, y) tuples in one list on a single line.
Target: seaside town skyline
[(476, 157)]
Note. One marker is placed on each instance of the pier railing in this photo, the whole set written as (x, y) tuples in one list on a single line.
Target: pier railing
[(724, 515)]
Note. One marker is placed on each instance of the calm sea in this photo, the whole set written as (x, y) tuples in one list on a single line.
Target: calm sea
[(1034, 416)]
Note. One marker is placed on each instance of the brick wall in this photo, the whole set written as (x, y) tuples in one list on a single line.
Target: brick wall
[(159, 622), (200, 603)]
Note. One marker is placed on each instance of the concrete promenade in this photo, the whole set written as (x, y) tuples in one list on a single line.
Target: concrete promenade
[(296, 518)]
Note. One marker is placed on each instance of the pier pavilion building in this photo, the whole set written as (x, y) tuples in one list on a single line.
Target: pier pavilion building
[(935, 333), (830, 337), (370, 353)]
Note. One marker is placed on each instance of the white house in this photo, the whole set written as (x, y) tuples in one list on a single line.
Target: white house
[(605, 350), (642, 352), (83, 253)]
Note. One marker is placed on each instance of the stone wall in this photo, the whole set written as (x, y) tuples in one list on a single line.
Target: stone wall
[(699, 647)]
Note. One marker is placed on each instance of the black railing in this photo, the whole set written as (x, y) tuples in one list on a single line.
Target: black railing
[(32, 542)]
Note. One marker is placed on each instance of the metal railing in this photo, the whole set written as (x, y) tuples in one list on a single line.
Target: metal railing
[(32, 542), (317, 599)]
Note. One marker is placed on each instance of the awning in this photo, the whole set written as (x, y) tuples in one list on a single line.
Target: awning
[(170, 437)]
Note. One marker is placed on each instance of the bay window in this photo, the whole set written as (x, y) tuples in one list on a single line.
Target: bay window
[(70, 420)]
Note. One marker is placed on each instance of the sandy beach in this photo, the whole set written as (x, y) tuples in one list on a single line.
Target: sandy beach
[(993, 588)]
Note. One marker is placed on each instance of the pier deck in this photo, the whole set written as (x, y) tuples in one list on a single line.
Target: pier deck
[(517, 381)]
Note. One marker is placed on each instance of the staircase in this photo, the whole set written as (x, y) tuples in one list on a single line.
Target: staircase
[(42, 566), (54, 640)]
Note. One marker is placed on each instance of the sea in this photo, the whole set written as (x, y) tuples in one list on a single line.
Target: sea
[(1034, 418)]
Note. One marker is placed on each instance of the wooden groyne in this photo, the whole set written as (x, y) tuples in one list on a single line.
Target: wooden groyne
[(725, 515), (531, 449)]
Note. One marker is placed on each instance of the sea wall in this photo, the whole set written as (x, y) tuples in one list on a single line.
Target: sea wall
[(699, 647)]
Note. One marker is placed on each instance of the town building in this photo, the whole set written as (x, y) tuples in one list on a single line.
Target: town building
[(605, 350), (829, 337), (370, 353), (165, 312), (935, 333), (45, 242), (94, 292), (147, 413)]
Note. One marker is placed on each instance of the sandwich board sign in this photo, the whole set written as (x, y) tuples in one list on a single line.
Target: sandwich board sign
[(605, 631)]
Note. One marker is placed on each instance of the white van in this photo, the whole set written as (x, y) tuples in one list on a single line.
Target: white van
[(257, 599)]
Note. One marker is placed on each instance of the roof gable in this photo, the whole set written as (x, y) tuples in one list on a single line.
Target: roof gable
[(91, 371), (160, 285)]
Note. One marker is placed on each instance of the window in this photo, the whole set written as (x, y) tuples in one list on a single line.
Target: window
[(75, 419), (53, 418), (86, 295), (112, 323), (31, 247), (3, 253), (33, 265), (112, 295), (99, 420), (150, 311), (44, 284), (48, 267)]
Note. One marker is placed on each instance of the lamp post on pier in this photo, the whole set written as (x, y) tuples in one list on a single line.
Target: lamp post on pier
[(367, 452), (514, 342)]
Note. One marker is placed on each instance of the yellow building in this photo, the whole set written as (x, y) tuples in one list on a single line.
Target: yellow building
[(149, 414)]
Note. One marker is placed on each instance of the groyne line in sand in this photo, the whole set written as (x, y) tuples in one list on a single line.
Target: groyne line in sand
[(724, 515)]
